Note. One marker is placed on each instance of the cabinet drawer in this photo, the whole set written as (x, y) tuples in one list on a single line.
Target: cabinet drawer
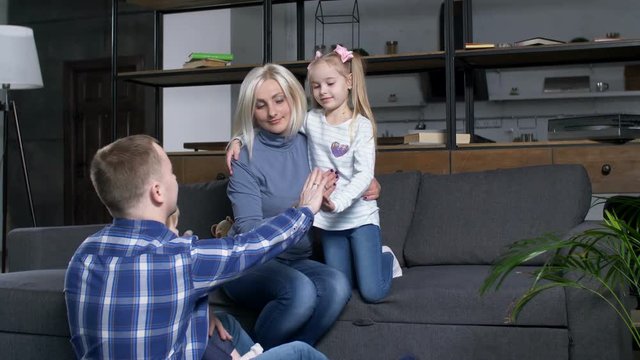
[(198, 167), (612, 169), (433, 162), (492, 159)]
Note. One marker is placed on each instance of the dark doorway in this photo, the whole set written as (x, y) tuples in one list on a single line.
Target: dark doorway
[(88, 124)]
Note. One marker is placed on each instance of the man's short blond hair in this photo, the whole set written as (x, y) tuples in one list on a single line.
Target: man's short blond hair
[(121, 171)]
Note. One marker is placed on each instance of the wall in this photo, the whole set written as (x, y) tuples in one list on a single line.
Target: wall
[(4, 4), (79, 30), (198, 113)]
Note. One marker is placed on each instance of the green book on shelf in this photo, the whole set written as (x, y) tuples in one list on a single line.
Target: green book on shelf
[(206, 55)]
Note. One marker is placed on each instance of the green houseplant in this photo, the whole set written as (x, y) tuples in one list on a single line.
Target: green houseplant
[(603, 260)]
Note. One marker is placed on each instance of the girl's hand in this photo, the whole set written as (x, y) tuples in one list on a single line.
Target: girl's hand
[(233, 152), (373, 192), (327, 204), (215, 324), (332, 178)]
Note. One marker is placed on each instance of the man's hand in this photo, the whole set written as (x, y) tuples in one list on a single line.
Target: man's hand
[(373, 192), (312, 192), (233, 152), (215, 324)]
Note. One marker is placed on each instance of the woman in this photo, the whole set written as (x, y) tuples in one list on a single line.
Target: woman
[(298, 298)]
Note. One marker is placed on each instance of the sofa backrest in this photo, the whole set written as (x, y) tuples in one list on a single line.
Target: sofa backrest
[(202, 205), (470, 218), (45, 247), (397, 202)]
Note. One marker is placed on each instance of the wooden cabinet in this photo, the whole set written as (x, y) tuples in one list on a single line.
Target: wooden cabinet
[(427, 161), (199, 166), (491, 159), (612, 169)]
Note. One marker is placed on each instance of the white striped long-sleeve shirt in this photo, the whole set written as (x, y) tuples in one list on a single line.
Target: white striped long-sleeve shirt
[(353, 155)]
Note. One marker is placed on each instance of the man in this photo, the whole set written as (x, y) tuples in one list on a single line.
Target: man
[(134, 289)]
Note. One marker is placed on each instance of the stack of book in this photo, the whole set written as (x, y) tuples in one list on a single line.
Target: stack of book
[(425, 137), (204, 59)]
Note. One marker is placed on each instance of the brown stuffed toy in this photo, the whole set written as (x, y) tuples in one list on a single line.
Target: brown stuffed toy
[(222, 228)]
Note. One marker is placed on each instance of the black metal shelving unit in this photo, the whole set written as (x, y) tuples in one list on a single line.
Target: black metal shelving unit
[(156, 77), (449, 60)]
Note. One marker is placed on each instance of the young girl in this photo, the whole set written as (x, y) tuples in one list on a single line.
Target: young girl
[(342, 137)]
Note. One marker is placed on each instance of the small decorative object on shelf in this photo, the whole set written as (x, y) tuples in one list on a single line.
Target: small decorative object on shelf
[(418, 137), (204, 63), (537, 41), (207, 55), (391, 47), (612, 36), (470, 46), (205, 59), (331, 18)]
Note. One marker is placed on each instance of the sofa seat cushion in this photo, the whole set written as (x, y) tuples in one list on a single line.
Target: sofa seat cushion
[(448, 294), (32, 302)]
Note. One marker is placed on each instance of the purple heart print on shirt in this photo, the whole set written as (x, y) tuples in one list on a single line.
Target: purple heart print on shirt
[(338, 150)]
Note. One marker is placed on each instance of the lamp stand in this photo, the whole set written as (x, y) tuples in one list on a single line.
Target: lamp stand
[(5, 157)]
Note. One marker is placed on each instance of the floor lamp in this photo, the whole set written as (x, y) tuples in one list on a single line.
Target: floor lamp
[(19, 69)]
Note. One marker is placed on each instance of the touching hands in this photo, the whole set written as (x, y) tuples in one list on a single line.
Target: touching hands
[(233, 153), (332, 179), (313, 191)]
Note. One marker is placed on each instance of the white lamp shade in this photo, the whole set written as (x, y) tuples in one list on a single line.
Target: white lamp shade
[(19, 65)]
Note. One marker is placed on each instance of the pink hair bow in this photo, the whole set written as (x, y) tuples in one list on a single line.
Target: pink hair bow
[(318, 56), (345, 55)]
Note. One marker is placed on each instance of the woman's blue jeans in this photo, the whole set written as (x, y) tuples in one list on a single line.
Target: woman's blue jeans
[(298, 299), (359, 251), (296, 350)]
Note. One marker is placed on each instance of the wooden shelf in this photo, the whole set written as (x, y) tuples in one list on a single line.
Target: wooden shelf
[(547, 55), (234, 74), (167, 5), (188, 77)]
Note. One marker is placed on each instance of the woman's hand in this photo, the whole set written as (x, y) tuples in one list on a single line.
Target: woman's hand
[(373, 192), (215, 324), (233, 153), (312, 191)]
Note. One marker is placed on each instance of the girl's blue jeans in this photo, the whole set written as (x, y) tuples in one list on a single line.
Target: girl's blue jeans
[(357, 253)]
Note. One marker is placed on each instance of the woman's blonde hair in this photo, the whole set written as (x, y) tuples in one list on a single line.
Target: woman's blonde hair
[(244, 122), (359, 98), (121, 171)]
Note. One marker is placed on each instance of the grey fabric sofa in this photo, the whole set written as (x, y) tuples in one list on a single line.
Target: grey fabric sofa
[(447, 231)]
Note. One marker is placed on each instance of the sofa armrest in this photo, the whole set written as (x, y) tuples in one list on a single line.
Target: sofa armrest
[(592, 321), (45, 247), (595, 329)]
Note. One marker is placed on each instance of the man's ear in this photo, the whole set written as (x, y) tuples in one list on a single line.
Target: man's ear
[(156, 193)]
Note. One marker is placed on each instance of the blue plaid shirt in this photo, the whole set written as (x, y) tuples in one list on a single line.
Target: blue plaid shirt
[(136, 291)]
